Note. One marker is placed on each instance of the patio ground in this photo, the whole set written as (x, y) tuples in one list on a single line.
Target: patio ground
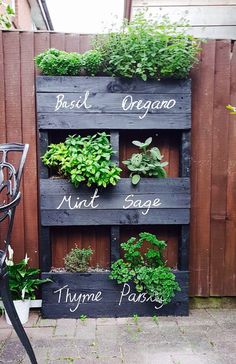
[(207, 336)]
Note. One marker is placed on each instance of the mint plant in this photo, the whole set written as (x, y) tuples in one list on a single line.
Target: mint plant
[(147, 270), (84, 160), (147, 163)]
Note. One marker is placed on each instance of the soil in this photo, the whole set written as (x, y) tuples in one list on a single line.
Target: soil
[(90, 270)]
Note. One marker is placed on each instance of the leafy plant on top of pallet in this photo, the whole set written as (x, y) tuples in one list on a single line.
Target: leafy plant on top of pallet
[(143, 48), (84, 160), (147, 163), (147, 270)]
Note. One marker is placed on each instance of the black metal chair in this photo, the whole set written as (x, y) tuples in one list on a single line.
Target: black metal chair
[(10, 177)]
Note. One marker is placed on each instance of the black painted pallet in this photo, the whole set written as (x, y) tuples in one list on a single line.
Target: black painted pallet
[(95, 295), (114, 104)]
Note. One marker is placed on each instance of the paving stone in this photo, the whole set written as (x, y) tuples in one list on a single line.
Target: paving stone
[(65, 327), (3, 323), (189, 359), (86, 330), (223, 316), (225, 346), (5, 333), (12, 353), (108, 341), (41, 356), (106, 321), (196, 317), (145, 357), (71, 348), (46, 322), (36, 333), (166, 321), (105, 360), (172, 334), (122, 320), (33, 319)]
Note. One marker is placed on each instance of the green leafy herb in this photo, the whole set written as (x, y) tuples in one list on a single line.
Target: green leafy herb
[(148, 49), (147, 163), (147, 270), (84, 159), (59, 63), (92, 62), (143, 48), (77, 260), (54, 62)]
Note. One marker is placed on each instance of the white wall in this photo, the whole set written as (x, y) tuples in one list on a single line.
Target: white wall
[(208, 19)]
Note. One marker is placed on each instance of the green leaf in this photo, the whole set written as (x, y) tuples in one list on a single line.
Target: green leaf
[(135, 179), (148, 141), (137, 143)]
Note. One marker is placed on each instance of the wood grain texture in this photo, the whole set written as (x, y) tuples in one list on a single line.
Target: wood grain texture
[(229, 279), (29, 133), (69, 84), (12, 80), (219, 168), (42, 43), (3, 136), (203, 104), (48, 121)]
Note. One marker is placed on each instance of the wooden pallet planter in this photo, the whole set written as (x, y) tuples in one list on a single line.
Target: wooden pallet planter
[(95, 295), (114, 105)]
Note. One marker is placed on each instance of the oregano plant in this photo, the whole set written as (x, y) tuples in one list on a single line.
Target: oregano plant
[(147, 269), (84, 160), (148, 49)]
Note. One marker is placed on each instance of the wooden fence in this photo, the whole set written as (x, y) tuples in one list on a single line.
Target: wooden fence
[(213, 214)]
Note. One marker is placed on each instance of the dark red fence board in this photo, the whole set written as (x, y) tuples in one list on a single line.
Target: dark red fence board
[(201, 163), (229, 277), (28, 135), (219, 168)]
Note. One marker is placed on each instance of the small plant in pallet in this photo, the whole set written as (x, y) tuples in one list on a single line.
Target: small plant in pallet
[(147, 163), (84, 160), (77, 260), (147, 270)]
